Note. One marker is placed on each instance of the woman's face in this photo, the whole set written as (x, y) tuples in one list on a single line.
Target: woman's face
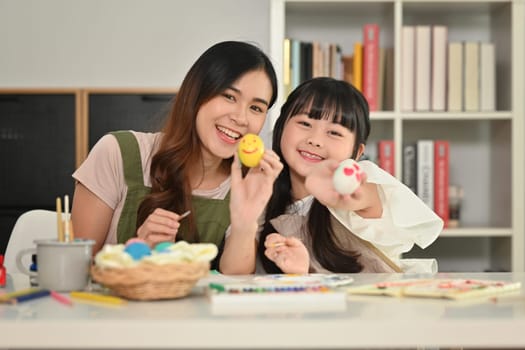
[(305, 142), (238, 110)]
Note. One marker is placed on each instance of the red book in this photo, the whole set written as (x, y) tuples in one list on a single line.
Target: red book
[(371, 64), (385, 158), (441, 169)]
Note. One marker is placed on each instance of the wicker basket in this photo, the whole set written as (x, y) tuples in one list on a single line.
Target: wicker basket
[(150, 281)]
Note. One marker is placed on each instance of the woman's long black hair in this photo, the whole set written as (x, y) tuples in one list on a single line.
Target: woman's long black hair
[(213, 72), (319, 98)]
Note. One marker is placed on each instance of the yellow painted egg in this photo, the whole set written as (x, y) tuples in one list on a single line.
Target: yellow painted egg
[(251, 149)]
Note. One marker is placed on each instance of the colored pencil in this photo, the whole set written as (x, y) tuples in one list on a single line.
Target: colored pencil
[(30, 296), (61, 298), (100, 298), (6, 296)]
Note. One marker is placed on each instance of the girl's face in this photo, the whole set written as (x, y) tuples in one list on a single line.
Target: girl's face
[(306, 141), (240, 109)]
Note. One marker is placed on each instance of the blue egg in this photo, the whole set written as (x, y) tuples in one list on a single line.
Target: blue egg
[(138, 250), (162, 247)]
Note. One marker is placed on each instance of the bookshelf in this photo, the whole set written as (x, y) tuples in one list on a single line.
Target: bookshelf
[(486, 157)]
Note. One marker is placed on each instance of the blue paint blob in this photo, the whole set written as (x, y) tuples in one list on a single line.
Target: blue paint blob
[(138, 250)]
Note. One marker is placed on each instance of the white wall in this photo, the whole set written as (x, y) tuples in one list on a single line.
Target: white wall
[(118, 43)]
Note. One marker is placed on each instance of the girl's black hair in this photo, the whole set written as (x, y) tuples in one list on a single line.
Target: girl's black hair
[(319, 98)]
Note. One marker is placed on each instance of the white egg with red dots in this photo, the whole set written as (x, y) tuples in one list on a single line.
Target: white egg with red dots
[(347, 177)]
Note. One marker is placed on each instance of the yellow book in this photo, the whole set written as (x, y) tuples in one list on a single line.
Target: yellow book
[(287, 74), (358, 66)]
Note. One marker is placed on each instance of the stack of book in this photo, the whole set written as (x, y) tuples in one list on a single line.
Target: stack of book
[(426, 173), (438, 75), (370, 67)]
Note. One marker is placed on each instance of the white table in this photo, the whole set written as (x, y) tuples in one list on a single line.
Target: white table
[(368, 322)]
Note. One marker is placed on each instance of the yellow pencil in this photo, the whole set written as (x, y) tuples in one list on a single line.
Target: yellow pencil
[(60, 225), (106, 299)]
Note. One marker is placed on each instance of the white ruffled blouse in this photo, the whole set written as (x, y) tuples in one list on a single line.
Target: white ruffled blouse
[(405, 221)]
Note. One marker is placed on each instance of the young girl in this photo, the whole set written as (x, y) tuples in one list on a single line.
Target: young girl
[(309, 227), (140, 184)]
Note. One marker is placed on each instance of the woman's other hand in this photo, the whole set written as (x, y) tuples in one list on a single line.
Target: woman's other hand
[(160, 226)]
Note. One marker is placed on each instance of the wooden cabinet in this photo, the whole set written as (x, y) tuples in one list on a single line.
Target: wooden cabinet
[(111, 109), (486, 148), (37, 150), (45, 134)]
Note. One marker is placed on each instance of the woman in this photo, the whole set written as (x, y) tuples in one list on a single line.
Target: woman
[(188, 166)]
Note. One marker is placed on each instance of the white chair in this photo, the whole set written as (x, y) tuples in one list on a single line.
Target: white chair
[(31, 225)]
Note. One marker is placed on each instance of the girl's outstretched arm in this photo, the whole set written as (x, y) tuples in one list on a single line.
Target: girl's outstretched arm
[(364, 201), (248, 199)]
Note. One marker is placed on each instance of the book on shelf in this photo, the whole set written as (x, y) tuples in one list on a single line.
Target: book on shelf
[(306, 60), (455, 77), (385, 156), (441, 179), (471, 71), (422, 68), (278, 293), (425, 171), (487, 78), (348, 69), (407, 68), (287, 72), (358, 66), (381, 79), (335, 61), (440, 288), (439, 67), (371, 64), (317, 59), (388, 84), (295, 62), (410, 166)]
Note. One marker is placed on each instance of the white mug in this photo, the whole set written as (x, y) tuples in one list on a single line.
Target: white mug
[(61, 266)]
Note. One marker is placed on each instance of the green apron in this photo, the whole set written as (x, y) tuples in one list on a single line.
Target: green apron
[(212, 215)]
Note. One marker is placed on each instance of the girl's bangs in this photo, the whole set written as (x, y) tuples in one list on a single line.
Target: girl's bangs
[(327, 107)]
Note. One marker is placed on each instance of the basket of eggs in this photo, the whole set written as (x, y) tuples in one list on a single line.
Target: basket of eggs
[(170, 270)]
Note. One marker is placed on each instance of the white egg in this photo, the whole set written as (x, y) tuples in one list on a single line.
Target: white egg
[(347, 176)]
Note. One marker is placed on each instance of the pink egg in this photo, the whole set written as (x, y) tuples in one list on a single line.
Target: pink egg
[(134, 240)]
